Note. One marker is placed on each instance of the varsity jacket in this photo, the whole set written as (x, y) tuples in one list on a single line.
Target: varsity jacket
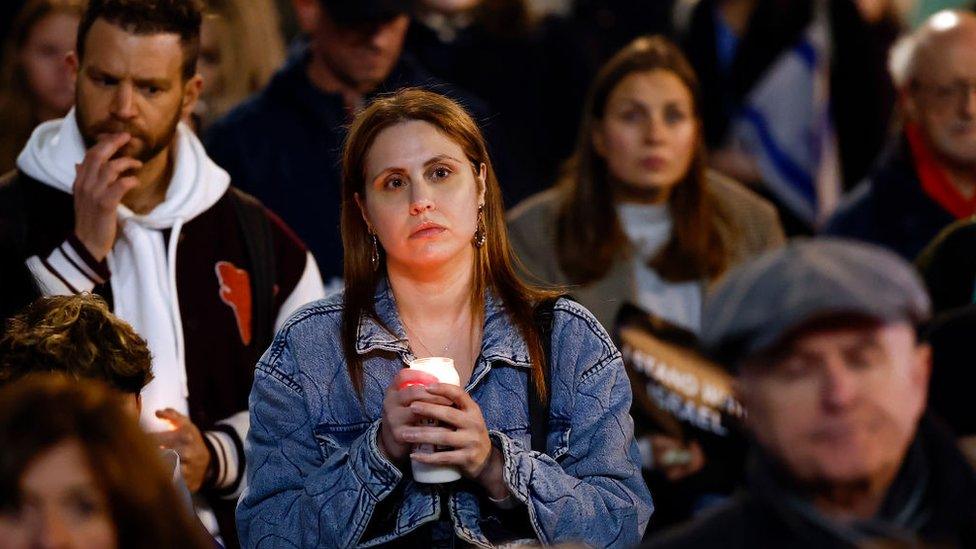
[(223, 319)]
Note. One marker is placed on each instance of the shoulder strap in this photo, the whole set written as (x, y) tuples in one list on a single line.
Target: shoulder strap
[(539, 409), (259, 243)]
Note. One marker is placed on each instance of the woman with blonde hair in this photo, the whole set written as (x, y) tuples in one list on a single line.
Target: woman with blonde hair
[(240, 49), (36, 84), (637, 216), (536, 431)]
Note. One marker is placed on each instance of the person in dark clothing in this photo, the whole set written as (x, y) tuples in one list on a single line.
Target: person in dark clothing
[(769, 516), (821, 336), (283, 144), (890, 208), (948, 266), (928, 179), (531, 72)]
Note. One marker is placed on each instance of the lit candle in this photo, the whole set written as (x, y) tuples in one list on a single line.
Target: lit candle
[(443, 369)]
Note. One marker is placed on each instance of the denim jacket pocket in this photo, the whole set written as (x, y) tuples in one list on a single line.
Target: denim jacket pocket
[(338, 437), (557, 440), (560, 430)]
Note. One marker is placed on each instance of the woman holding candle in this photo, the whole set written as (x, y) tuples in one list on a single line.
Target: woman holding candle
[(428, 273)]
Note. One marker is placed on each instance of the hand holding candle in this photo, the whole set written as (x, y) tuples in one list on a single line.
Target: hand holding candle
[(187, 441), (408, 386), (442, 371), (461, 430), (444, 426)]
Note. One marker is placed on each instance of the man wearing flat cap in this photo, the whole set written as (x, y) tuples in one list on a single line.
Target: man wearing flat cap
[(821, 336)]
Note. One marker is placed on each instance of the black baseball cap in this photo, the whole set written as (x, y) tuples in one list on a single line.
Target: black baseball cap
[(353, 12)]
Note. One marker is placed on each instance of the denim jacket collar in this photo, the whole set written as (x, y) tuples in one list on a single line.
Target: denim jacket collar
[(501, 339)]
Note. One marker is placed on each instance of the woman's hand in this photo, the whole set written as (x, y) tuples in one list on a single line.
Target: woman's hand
[(676, 459), (463, 430), (407, 387)]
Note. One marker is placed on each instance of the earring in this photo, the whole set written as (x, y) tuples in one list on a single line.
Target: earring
[(480, 234), (375, 258)]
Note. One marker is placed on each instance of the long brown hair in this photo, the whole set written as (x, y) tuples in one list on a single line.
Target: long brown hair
[(42, 411), (18, 114), (590, 237), (493, 262)]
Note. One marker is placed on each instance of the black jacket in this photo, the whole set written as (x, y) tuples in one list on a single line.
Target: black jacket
[(932, 501), (948, 266), (890, 208)]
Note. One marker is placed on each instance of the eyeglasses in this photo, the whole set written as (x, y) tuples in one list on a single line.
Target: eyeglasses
[(948, 94)]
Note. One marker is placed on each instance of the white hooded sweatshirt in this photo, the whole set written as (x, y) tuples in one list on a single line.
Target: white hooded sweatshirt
[(143, 270)]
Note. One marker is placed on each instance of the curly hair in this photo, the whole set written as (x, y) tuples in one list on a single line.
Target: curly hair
[(78, 336)]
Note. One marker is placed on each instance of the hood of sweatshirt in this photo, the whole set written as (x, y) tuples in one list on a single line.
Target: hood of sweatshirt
[(56, 147)]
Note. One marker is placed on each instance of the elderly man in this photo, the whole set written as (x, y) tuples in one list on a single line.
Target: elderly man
[(928, 179), (822, 338)]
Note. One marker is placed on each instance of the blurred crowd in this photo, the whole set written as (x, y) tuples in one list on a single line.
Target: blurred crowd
[(706, 268)]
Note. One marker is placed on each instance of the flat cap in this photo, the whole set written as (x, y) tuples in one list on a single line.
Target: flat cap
[(758, 303)]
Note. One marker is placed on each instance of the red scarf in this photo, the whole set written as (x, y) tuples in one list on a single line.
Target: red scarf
[(935, 180)]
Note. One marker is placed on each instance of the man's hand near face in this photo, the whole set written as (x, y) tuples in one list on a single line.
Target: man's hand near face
[(99, 186)]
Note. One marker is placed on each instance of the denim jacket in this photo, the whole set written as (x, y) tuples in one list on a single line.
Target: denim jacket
[(316, 476)]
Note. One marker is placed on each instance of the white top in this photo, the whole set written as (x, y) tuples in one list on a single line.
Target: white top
[(648, 227)]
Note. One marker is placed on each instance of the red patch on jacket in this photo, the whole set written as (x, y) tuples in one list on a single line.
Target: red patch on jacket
[(235, 291)]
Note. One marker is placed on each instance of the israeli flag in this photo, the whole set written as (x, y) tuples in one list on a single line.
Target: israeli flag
[(785, 125)]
